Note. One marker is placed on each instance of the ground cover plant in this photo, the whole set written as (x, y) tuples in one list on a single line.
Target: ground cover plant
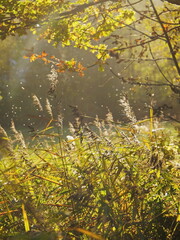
[(133, 44), (113, 182)]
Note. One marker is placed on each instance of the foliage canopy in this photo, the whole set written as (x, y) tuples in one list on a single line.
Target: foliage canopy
[(96, 25)]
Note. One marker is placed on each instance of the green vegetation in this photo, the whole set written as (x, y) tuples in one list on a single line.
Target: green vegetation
[(116, 182), (107, 179), (133, 44)]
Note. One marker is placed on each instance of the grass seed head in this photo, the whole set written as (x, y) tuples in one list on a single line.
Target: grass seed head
[(48, 108), (124, 103), (37, 102)]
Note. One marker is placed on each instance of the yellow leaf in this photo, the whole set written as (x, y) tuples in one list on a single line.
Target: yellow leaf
[(33, 57)]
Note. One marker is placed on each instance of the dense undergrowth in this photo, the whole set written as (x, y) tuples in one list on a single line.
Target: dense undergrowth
[(112, 182)]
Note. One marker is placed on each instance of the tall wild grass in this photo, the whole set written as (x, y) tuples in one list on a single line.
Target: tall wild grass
[(115, 182)]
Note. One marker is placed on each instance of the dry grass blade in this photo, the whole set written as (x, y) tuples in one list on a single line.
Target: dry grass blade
[(25, 218), (10, 211), (47, 179), (88, 233)]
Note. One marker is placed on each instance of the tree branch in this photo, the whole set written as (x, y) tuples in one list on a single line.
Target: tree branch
[(150, 50), (79, 8), (166, 36), (177, 2), (129, 81)]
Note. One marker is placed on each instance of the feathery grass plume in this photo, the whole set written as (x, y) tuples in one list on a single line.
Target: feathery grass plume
[(48, 108), (37, 102), (124, 103), (109, 117), (53, 79), (109, 120), (18, 135), (60, 121), (6, 148), (98, 124), (71, 128)]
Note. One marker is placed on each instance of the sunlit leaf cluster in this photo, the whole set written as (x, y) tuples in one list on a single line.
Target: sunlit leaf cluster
[(60, 65)]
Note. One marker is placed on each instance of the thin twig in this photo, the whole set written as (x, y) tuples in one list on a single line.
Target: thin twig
[(140, 13), (128, 81), (164, 76), (166, 36)]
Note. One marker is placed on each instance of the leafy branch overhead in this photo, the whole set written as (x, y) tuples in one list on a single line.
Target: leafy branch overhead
[(60, 65), (19, 16), (109, 29)]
